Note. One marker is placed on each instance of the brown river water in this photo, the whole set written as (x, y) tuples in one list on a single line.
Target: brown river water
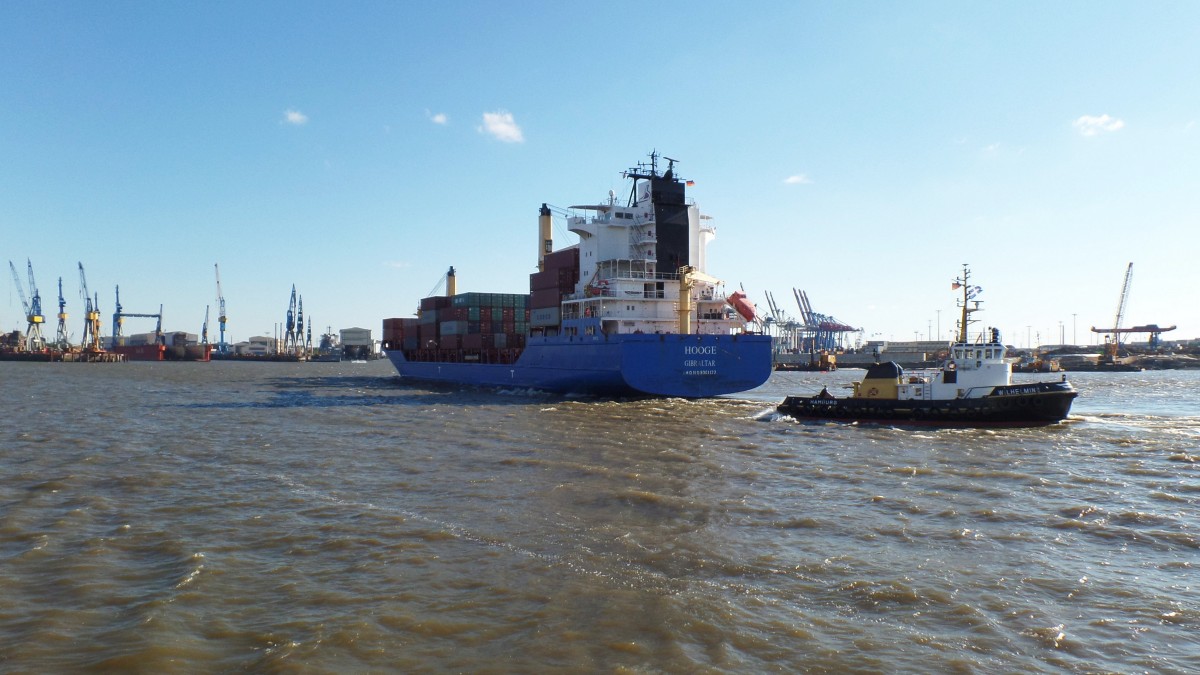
[(329, 518)]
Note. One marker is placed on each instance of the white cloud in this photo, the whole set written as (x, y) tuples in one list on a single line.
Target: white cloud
[(1092, 125), (438, 118), (295, 117), (501, 126), (798, 179)]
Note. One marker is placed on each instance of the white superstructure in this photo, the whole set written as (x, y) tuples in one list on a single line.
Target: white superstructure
[(639, 275)]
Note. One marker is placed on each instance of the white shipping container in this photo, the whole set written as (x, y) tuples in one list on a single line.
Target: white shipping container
[(547, 316)]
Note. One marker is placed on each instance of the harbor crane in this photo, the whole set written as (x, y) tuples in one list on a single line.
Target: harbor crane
[(300, 326), (91, 325), (289, 335), (61, 339), (222, 346), (1113, 336), (204, 328), (34, 342), (787, 330), (826, 332), (119, 319)]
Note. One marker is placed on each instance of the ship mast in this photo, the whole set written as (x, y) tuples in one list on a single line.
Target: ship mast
[(968, 292)]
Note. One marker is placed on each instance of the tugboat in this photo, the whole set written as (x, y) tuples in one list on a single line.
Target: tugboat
[(972, 388)]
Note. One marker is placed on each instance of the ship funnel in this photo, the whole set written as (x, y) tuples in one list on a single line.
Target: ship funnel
[(450, 290), (545, 238)]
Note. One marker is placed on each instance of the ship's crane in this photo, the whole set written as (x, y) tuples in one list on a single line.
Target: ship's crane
[(61, 339), (222, 347), (447, 283), (91, 325), (34, 342)]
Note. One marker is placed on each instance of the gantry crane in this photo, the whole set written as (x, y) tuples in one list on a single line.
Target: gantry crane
[(91, 325), (119, 320), (222, 346), (34, 342), (786, 331), (826, 332)]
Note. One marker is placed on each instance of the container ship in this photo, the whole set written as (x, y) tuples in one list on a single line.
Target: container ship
[(628, 310)]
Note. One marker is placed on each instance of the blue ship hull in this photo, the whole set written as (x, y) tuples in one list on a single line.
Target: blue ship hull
[(687, 366)]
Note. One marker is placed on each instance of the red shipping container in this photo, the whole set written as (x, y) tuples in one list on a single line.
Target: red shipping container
[(546, 298), (435, 302)]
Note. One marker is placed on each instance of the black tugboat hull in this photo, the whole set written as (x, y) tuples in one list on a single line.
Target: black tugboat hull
[(1018, 405)]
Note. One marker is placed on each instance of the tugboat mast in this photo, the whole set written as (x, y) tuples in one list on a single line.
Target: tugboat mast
[(968, 293)]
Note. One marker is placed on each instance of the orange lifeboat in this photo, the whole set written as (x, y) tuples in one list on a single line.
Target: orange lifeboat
[(742, 304)]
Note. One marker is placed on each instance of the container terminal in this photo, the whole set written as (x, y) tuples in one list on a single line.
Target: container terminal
[(812, 341)]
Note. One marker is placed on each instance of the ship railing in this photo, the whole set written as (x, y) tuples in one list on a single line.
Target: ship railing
[(611, 293), (644, 276), (648, 276), (608, 219)]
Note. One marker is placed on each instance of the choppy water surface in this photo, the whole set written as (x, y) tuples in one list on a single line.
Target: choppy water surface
[(329, 518)]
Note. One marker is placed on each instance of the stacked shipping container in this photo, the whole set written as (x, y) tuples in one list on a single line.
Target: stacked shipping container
[(471, 322), (547, 288)]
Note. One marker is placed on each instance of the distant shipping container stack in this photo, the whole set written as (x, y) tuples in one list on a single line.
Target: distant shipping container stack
[(485, 327)]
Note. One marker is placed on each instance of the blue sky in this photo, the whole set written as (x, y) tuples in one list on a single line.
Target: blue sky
[(861, 152)]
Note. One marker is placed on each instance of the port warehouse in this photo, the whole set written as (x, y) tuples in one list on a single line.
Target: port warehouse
[(357, 340)]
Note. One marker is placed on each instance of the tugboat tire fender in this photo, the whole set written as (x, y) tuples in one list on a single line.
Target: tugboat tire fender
[(950, 365)]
